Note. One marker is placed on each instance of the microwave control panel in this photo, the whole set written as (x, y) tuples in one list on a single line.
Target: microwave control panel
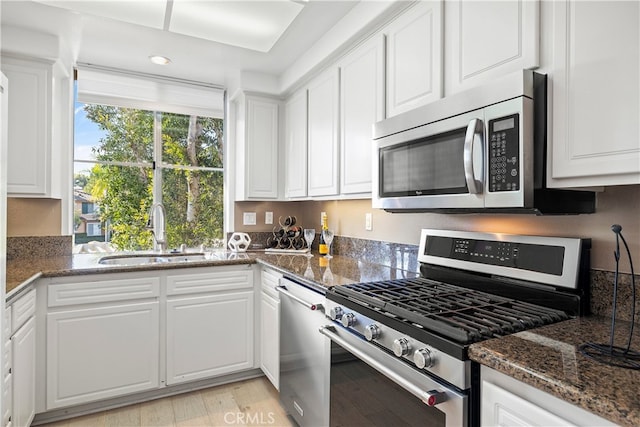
[(504, 154)]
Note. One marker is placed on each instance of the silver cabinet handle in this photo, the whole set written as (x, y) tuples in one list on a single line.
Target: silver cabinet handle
[(426, 396), (309, 305), (475, 129)]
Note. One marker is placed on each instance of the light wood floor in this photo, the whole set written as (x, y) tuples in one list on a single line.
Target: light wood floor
[(247, 403)]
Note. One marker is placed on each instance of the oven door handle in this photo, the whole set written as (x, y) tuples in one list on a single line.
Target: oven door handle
[(309, 305), (475, 130), (431, 398)]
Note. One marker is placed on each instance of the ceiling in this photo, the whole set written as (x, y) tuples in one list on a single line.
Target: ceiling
[(207, 40)]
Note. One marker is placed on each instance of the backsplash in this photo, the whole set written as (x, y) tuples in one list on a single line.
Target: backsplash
[(39, 246), (602, 295), (404, 257)]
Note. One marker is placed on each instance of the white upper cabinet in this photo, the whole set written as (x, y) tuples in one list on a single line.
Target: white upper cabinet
[(487, 39), (323, 125), (257, 148), (29, 131), (295, 111), (414, 58), (595, 79), (361, 105)]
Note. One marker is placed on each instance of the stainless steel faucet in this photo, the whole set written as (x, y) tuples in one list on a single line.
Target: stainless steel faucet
[(158, 227)]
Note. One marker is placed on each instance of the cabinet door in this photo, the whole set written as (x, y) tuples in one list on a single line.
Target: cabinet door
[(596, 93), (270, 338), (28, 166), (361, 105), (24, 374), (97, 353), (261, 149), (502, 408), (209, 336), (296, 145), (323, 134), (414, 58), (488, 39)]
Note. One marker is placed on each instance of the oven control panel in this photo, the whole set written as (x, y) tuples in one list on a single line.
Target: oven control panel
[(548, 259)]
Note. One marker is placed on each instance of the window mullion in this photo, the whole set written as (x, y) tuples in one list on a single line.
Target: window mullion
[(157, 157)]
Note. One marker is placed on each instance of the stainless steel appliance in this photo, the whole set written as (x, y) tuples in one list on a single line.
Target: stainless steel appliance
[(304, 354), (410, 337), (479, 150)]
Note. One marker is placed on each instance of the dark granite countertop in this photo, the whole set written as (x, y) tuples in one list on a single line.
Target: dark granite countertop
[(549, 359), (315, 270)]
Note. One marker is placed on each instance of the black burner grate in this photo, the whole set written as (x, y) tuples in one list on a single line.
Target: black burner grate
[(462, 314)]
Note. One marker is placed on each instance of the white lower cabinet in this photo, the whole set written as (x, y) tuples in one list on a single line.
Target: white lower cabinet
[(506, 401), (102, 352), (209, 335), (23, 344), (19, 369), (103, 337), (116, 334), (19, 379), (210, 323), (270, 326)]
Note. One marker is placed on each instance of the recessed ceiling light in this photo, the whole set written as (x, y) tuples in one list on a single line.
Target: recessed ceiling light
[(160, 60)]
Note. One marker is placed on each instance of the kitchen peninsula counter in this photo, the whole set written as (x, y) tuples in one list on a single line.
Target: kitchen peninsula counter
[(549, 359), (315, 271)]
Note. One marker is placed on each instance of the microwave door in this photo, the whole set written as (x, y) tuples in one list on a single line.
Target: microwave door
[(435, 166)]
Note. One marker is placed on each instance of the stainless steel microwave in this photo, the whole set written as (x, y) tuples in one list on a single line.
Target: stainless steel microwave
[(480, 150)]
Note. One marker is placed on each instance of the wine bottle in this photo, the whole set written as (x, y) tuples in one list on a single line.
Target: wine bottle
[(322, 247)]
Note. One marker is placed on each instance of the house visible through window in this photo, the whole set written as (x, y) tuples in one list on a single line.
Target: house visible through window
[(128, 159)]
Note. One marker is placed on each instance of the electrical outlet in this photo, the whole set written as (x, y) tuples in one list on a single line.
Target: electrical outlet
[(368, 221), (249, 218), (268, 217)]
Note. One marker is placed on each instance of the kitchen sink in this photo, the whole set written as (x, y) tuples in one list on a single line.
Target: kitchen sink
[(152, 259)]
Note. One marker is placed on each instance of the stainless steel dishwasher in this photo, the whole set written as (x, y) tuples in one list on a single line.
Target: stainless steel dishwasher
[(305, 355)]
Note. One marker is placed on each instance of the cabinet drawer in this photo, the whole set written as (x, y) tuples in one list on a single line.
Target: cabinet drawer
[(270, 278), (103, 291), (22, 310), (219, 279)]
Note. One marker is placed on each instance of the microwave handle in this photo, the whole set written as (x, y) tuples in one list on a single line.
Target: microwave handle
[(475, 128)]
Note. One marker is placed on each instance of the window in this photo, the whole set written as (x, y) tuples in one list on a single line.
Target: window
[(128, 159), (88, 208), (94, 229)]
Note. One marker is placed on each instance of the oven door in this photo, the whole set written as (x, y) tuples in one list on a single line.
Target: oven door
[(434, 166), (371, 387)]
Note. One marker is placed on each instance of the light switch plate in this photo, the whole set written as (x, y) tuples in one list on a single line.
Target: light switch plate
[(249, 218), (368, 221), (268, 217)]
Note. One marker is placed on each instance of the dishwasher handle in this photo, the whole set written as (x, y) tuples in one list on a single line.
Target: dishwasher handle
[(299, 300)]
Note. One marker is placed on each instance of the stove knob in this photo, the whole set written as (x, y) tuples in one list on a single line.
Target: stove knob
[(401, 347), (371, 332), (336, 313), (348, 320), (423, 358)]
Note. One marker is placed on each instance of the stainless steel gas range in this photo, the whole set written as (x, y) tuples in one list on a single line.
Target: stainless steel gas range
[(399, 347)]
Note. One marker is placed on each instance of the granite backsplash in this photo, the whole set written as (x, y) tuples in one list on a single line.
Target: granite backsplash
[(38, 246)]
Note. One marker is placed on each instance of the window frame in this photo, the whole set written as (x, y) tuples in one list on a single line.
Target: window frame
[(157, 166)]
